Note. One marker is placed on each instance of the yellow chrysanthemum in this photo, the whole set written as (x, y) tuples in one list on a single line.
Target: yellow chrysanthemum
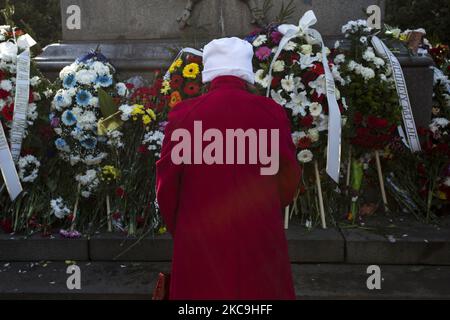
[(178, 63), (151, 113), (137, 111), (191, 71), (165, 87), (146, 120), (162, 230), (110, 173)]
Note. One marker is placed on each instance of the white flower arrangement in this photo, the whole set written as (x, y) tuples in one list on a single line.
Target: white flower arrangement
[(59, 208), (28, 168), (76, 113)]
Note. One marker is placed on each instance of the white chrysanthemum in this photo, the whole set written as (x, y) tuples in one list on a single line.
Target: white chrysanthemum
[(367, 73), (86, 77), (315, 109), (28, 168), (313, 135), (279, 66), (290, 46), (378, 62), (6, 85), (115, 139), (59, 209), (94, 102), (306, 49), (288, 83), (87, 120), (154, 140), (121, 89), (305, 156), (260, 40), (447, 182), (261, 79), (35, 81), (72, 69), (126, 111), (100, 68)]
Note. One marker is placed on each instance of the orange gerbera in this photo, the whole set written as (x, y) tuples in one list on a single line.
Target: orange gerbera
[(175, 98)]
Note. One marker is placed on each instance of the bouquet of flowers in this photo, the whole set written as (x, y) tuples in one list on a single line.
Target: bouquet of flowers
[(183, 80), (297, 81), (374, 113), (88, 95), (30, 165)]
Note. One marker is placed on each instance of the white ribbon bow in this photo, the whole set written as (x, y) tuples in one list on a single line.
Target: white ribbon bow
[(290, 32)]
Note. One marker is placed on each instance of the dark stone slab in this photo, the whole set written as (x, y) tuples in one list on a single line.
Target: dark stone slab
[(113, 281), (19, 248), (419, 79), (315, 246), (424, 245), (116, 247)]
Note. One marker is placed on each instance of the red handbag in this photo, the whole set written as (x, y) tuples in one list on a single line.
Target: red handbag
[(161, 291)]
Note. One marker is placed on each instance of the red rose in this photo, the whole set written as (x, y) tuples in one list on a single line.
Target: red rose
[(192, 89), (377, 123), (129, 86), (318, 69), (176, 82), (276, 82), (316, 98), (304, 143), (307, 121)]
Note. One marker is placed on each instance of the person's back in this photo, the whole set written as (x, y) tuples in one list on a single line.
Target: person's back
[(223, 202)]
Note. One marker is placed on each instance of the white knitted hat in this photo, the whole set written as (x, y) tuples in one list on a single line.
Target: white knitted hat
[(228, 57)]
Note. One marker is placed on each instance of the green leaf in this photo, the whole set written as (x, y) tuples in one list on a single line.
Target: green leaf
[(107, 105)]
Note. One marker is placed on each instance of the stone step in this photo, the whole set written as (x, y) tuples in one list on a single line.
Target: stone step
[(382, 244), (114, 280)]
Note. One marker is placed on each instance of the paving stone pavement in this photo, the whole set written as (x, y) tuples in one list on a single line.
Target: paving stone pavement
[(115, 280)]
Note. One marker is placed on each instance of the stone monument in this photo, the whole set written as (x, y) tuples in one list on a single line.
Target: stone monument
[(140, 36), (137, 35)]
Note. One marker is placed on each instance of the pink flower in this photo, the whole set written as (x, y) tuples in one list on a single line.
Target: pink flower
[(276, 37), (263, 53)]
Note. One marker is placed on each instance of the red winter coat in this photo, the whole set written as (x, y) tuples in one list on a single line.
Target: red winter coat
[(226, 220)]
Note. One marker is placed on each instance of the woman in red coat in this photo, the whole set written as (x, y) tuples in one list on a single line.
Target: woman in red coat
[(225, 216)]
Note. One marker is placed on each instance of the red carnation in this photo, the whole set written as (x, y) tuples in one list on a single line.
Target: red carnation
[(120, 192), (8, 112), (176, 82), (4, 94), (6, 225), (422, 131), (294, 58), (304, 143), (307, 121), (129, 86), (31, 97), (142, 149), (192, 89)]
